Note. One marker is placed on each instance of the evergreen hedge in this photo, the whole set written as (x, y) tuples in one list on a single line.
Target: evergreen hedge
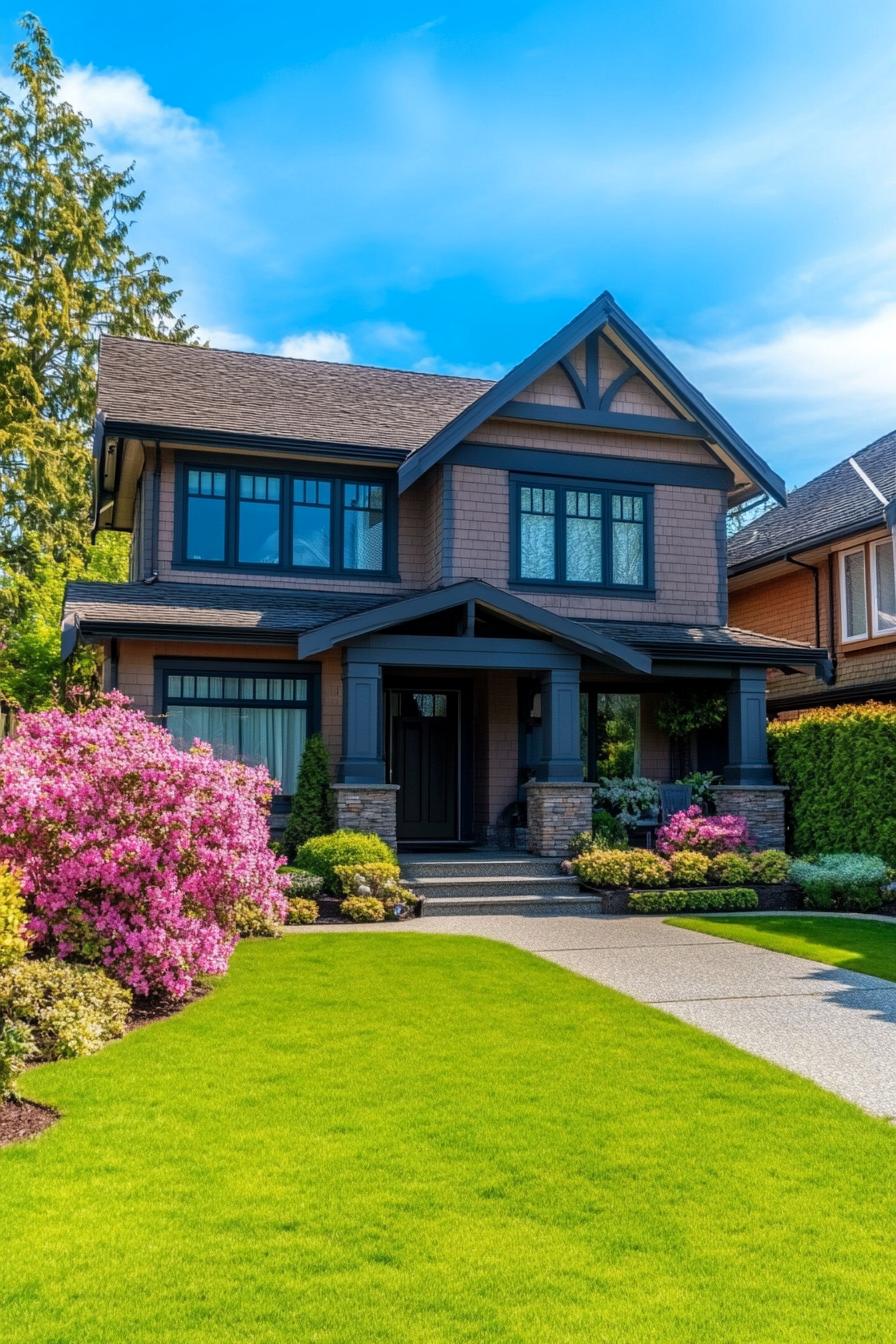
[(839, 766)]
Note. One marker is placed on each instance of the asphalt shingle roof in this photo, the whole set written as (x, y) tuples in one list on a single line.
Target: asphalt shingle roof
[(190, 387), (188, 608), (836, 501)]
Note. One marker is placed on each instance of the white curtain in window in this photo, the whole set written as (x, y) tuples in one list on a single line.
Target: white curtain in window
[(215, 724), (884, 587), (854, 594), (275, 738)]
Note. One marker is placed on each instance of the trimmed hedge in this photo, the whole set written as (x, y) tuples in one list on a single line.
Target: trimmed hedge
[(839, 766), (323, 854), (674, 902)]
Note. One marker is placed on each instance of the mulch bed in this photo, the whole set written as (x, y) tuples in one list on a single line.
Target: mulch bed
[(23, 1120)]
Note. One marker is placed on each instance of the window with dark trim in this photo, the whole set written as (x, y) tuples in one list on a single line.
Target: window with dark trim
[(238, 516), (260, 713), (579, 534)]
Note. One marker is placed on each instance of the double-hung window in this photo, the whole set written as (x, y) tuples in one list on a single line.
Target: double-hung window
[(567, 533), (258, 714), (235, 517), (868, 591)]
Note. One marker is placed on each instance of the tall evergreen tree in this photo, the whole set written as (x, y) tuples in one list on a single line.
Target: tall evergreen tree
[(67, 274)]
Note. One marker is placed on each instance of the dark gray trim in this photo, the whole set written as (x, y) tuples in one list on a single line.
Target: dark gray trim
[(572, 375), (592, 419), (447, 564), (561, 757), (92, 632), (747, 721), (462, 652), (570, 632), (603, 313), (589, 466), (835, 695), (606, 401), (251, 443), (890, 515)]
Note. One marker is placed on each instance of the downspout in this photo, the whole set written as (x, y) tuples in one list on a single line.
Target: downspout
[(833, 649), (153, 575), (814, 572)]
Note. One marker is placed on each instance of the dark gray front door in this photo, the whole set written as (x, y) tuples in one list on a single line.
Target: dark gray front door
[(424, 753)]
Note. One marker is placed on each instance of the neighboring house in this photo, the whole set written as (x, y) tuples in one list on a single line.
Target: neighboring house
[(476, 591), (822, 570)]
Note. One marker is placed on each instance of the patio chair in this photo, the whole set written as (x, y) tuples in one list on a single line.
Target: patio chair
[(674, 798)]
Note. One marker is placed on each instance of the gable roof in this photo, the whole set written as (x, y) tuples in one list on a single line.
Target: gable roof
[(834, 504), (155, 384), (505, 604), (603, 315)]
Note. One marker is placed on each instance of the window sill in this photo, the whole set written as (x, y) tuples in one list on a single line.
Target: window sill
[(864, 645), (278, 571), (594, 589)]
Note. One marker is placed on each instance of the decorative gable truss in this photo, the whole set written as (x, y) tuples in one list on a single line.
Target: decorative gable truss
[(601, 371)]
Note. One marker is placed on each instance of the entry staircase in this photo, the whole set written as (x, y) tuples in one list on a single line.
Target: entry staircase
[(492, 882)]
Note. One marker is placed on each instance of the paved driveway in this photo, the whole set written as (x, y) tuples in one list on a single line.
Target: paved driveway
[(836, 1027)]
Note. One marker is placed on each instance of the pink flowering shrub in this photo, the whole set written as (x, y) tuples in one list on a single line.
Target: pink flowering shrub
[(706, 835), (132, 852)]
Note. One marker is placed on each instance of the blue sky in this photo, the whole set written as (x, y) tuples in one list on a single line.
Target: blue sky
[(441, 188)]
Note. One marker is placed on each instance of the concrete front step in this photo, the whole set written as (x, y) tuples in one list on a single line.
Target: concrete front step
[(578, 904), (416, 870)]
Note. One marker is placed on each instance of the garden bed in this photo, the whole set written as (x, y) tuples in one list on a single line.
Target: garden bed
[(780, 896), (24, 1120)]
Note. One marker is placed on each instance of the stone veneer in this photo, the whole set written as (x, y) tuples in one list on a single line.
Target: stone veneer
[(367, 807), (761, 804), (557, 810)]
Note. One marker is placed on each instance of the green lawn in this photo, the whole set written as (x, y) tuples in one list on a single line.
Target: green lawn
[(866, 945), (402, 1137)]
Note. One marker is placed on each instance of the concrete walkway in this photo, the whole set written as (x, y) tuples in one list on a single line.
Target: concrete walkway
[(836, 1027)]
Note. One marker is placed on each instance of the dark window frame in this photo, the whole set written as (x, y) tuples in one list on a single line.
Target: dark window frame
[(338, 477), (241, 667), (560, 484)]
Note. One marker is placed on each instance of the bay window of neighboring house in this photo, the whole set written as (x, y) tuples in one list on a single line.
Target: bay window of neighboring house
[(868, 591)]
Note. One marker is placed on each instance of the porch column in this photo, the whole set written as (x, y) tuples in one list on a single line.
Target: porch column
[(364, 801), (362, 761), (748, 789), (747, 721), (561, 749)]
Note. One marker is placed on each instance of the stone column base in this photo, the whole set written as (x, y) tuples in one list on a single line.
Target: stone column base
[(557, 811), (367, 807), (761, 804)]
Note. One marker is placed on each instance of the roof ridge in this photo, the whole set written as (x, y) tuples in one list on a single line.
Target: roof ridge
[(295, 359)]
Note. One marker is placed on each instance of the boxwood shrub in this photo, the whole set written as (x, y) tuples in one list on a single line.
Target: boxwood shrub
[(325, 853), (675, 901), (839, 765)]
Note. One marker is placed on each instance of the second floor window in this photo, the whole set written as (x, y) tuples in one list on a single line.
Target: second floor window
[(868, 591), (597, 536), (234, 518)]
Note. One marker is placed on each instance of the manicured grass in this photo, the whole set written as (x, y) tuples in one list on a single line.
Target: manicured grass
[(407, 1138), (866, 945)]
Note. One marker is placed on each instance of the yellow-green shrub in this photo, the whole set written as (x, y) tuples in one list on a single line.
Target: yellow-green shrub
[(839, 765), (731, 869), (16, 1045), (366, 879), (689, 866), (323, 854), (70, 1009), (12, 918), (252, 922), (603, 867), (363, 909), (675, 901), (646, 869), (301, 910), (770, 866)]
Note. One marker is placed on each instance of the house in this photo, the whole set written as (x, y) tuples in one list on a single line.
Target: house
[(476, 591), (822, 570)]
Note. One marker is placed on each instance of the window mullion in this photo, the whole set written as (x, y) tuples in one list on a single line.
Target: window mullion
[(560, 535)]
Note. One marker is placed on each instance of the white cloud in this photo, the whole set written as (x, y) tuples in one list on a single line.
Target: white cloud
[(124, 111), (223, 338), (332, 346), (390, 335)]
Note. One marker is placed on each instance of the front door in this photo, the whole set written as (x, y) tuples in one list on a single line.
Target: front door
[(424, 757)]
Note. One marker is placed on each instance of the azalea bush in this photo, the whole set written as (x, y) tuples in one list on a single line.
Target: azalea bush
[(132, 853), (708, 835)]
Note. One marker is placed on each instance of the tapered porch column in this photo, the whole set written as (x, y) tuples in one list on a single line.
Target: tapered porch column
[(558, 800), (364, 801), (749, 789)]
